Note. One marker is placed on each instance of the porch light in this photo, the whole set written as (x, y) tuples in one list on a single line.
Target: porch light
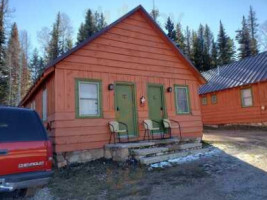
[(169, 89), (142, 100), (111, 86)]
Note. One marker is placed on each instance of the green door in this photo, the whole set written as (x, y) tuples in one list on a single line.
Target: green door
[(125, 106), (156, 105)]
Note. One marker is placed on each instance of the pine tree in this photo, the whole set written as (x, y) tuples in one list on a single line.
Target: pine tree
[(180, 42), (54, 46), (3, 68), (13, 63), (225, 47), (208, 38), (100, 21), (81, 34), (214, 55), (188, 42), (169, 26), (34, 65), (197, 51), (244, 40), (88, 28), (253, 28)]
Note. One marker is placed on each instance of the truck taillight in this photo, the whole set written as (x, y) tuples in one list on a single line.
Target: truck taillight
[(49, 150)]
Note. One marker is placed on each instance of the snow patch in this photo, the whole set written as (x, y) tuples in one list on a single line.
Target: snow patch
[(185, 159)]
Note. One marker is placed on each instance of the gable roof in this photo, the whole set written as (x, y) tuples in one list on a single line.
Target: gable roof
[(51, 65), (247, 71)]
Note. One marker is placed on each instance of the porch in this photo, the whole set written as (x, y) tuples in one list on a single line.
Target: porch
[(152, 151)]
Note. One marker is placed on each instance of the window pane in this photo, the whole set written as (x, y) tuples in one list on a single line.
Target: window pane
[(204, 100), (247, 101), (88, 107), (214, 99), (247, 93), (44, 104), (182, 100), (88, 90)]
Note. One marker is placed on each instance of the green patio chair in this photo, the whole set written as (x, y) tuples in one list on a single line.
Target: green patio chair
[(150, 128), (172, 124), (115, 130)]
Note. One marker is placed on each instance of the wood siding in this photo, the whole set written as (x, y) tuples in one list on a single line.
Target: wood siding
[(132, 52), (228, 109)]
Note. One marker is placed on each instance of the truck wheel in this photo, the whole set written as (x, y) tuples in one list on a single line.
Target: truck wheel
[(20, 193)]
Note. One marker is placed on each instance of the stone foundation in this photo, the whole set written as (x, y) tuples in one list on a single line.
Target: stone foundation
[(63, 159)]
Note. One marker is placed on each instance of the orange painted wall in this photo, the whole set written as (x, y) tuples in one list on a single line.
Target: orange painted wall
[(228, 108), (131, 51)]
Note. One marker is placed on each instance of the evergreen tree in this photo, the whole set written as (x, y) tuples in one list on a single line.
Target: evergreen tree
[(180, 42), (197, 51), (88, 28), (34, 65), (13, 63), (208, 38), (100, 21), (3, 69), (169, 26), (214, 55), (54, 46), (225, 47), (253, 27), (81, 34), (188, 42), (244, 40), (60, 37)]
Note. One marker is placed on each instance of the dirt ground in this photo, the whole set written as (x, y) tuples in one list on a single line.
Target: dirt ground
[(238, 171)]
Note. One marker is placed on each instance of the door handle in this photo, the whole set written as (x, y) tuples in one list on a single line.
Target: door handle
[(161, 108), (3, 151), (118, 109)]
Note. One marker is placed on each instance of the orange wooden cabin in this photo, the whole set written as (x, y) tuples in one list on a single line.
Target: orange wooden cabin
[(236, 93), (84, 89)]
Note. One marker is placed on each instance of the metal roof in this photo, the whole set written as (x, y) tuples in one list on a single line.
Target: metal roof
[(249, 70)]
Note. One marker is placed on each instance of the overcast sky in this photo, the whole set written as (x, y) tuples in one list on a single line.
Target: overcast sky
[(32, 15)]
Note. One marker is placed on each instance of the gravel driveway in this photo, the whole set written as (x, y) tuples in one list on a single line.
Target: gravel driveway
[(238, 171)]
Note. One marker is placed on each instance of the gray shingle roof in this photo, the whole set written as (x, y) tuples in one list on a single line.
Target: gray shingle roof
[(249, 70)]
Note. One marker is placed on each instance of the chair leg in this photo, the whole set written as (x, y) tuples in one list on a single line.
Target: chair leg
[(170, 133), (114, 137)]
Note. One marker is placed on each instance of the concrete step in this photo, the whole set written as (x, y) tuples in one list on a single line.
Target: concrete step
[(143, 144), (162, 150), (149, 151), (169, 156)]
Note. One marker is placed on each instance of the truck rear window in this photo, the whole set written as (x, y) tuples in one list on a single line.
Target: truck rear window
[(20, 125)]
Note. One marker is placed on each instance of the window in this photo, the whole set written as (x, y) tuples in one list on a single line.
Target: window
[(33, 105), (204, 101), (44, 108), (214, 99), (20, 125), (182, 100), (246, 97), (88, 102)]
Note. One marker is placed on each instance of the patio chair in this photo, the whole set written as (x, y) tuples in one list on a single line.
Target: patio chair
[(150, 128), (172, 124), (116, 132)]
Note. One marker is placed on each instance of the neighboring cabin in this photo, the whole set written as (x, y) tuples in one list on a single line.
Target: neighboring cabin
[(75, 99), (236, 93)]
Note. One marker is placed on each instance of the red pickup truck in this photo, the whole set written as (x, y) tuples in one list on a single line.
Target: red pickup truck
[(25, 150)]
